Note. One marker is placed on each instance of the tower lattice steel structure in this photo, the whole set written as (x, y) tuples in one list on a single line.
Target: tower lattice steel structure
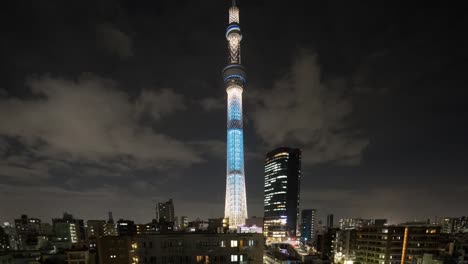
[(235, 79)]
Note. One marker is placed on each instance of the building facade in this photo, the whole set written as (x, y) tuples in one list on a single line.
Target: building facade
[(94, 230), (27, 231), (147, 229), (184, 222), (68, 229), (308, 226), (354, 223), (4, 240), (234, 77), (282, 194), (345, 244), (326, 243), (10, 231), (116, 250), (395, 244), (166, 212), (79, 256), (110, 228), (330, 220), (126, 228), (199, 248)]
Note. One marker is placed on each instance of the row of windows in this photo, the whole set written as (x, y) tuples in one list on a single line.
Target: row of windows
[(198, 259), (222, 243)]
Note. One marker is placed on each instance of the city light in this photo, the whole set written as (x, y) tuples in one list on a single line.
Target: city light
[(236, 201)]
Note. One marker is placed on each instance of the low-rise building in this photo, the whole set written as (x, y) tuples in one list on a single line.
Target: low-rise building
[(116, 250), (199, 248), (79, 256), (395, 244)]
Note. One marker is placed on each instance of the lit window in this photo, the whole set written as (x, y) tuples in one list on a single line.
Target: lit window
[(234, 244), (251, 243), (223, 243), (233, 258)]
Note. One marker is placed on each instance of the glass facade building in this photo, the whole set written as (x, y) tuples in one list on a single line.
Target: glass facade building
[(282, 193)]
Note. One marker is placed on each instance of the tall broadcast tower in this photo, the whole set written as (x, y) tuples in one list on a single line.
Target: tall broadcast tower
[(234, 80)]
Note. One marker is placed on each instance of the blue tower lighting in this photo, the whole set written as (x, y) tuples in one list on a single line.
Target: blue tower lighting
[(235, 80)]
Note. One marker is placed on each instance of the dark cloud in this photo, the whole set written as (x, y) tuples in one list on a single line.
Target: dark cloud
[(301, 109), (158, 103), (89, 119), (213, 104), (114, 41)]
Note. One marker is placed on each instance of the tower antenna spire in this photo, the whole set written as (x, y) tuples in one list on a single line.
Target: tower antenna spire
[(233, 2)]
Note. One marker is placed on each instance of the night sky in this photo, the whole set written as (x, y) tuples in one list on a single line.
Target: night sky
[(114, 105)]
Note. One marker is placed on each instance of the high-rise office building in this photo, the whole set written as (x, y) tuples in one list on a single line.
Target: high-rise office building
[(281, 203), (308, 226), (166, 212), (234, 77), (330, 220)]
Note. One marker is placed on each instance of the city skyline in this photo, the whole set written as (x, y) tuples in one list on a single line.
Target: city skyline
[(121, 108)]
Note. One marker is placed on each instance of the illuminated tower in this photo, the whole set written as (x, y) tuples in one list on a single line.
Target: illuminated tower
[(234, 80)]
